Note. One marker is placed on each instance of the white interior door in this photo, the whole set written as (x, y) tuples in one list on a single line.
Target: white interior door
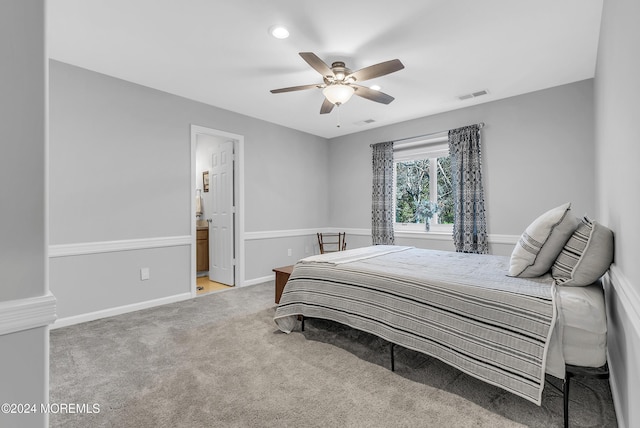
[(221, 251)]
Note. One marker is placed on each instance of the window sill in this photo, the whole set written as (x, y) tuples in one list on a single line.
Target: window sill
[(423, 234)]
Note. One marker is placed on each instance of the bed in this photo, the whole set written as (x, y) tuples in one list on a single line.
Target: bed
[(460, 308)]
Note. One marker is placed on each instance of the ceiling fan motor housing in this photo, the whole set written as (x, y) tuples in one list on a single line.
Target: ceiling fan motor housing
[(340, 72)]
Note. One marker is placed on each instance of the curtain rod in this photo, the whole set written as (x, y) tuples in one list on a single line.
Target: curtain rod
[(480, 125)]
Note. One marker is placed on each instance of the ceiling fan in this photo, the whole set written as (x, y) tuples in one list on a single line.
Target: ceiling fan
[(340, 82)]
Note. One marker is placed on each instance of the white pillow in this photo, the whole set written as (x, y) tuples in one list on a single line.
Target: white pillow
[(542, 241)]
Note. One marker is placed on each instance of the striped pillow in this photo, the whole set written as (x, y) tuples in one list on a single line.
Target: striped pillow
[(586, 256), (541, 242)]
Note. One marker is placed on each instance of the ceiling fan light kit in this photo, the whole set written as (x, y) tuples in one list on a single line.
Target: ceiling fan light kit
[(338, 93), (340, 82)]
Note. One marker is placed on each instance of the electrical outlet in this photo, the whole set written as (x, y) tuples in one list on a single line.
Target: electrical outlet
[(289, 252), (144, 274)]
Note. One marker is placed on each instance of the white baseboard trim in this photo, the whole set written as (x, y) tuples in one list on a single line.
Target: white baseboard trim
[(260, 280), (77, 319), (24, 314), (82, 248)]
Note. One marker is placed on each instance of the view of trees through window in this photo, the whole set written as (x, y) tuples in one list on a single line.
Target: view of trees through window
[(414, 201)]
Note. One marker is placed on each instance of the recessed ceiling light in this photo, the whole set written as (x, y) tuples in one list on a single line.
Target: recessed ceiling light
[(279, 32), (375, 87)]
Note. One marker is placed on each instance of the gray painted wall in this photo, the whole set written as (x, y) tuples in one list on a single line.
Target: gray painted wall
[(24, 354), (95, 282), (617, 87), (120, 162), (22, 136), (538, 152), (121, 170)]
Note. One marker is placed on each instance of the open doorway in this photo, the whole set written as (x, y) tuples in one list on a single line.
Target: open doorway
[(217, 220)]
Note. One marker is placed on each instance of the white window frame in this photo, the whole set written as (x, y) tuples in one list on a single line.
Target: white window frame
[(433, 147)]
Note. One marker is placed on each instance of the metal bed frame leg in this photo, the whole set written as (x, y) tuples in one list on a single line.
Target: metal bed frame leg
[(565, 396), (302, 326), (571, 371), (393, 363)]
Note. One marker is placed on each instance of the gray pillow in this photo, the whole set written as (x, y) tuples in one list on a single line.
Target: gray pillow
[(586, 256), (541, 242)]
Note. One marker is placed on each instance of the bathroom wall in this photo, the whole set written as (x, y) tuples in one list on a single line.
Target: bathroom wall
[(204, 152)]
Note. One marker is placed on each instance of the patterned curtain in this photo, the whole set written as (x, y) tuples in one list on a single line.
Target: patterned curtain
[(382, 195), (469, 223)]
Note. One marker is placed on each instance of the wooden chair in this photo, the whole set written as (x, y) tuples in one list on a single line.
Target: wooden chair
[(331, 242)]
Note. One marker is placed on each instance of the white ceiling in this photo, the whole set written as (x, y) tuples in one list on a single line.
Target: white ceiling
[(219, 52)]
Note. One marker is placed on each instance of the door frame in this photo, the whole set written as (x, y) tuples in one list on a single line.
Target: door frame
[(238, 188)]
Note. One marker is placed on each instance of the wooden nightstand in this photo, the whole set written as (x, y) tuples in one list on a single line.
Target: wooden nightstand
[(282, 276)]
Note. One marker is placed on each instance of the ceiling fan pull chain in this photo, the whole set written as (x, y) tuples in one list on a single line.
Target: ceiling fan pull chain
[(338, 110)]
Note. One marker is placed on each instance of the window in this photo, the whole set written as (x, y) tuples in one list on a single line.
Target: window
[(423, 185)]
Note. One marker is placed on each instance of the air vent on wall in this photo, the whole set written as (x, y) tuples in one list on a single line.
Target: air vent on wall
[(473, 95)]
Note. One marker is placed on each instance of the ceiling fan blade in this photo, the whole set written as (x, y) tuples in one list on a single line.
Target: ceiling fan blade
[(317, 64), (377, 70), (370, 94), (293, 88), (327, 106)]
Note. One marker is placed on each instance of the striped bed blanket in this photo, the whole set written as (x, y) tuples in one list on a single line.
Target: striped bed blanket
[(460, 308)]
